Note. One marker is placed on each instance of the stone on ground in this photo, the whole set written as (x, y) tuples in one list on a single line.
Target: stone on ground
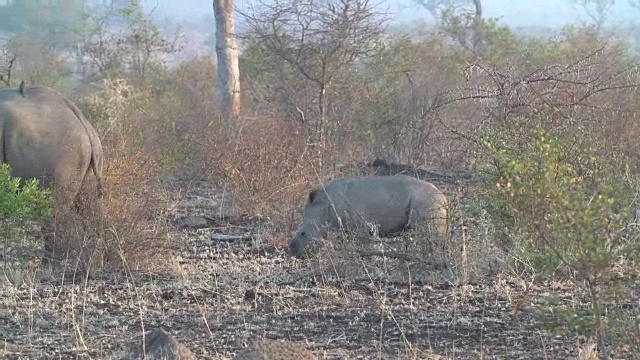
[(275, 350), (160, 345)]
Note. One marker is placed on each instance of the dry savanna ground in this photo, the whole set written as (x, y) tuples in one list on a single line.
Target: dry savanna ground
[(216, 297)]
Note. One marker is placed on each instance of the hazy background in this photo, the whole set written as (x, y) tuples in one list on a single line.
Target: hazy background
[(542, 18), (546, 13)]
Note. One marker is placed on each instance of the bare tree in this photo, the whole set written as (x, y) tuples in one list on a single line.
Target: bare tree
[(597, 10), (7, 62), (435, 7), (8, 58), (460, 19), (227, 55), (134, 49), (465, 25), (320, 41)]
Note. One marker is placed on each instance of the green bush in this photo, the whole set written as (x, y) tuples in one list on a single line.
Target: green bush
[(567, 206), (21, 202)]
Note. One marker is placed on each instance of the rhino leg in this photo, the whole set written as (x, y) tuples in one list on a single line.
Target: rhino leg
[(67, 202), (359, 231)]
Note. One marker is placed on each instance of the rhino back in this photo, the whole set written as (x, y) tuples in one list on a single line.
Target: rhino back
[(379, 199), (40, 134)]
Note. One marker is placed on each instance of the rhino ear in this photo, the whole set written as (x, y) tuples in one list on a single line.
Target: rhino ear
[(312, 195)]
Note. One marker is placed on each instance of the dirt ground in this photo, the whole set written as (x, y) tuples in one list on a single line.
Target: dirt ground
[(217, 296)]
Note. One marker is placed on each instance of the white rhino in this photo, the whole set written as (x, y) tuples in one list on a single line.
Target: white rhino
[(45, 136), (393, 203)]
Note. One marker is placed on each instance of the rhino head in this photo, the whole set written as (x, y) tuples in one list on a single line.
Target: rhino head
[(314, 224)]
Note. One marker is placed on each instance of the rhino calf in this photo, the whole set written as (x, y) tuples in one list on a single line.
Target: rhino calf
[(393, 203)]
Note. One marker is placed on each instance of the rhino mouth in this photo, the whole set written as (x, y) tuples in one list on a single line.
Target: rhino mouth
[(296, 250), (303, 248)]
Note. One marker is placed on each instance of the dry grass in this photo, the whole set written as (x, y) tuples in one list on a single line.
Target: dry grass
[(218, 298)]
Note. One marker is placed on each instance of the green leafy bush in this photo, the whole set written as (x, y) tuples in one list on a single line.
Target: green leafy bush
[(568, 208), (20, 203)]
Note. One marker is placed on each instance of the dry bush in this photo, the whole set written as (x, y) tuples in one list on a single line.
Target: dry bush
[(262, 160), (401, 90), (195, 100), (190, 107), (264, 165), (132, 168), (593, 90), (557, 142), (133, 165)]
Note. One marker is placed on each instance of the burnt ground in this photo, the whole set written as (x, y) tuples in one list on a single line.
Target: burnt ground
[(217, 296)]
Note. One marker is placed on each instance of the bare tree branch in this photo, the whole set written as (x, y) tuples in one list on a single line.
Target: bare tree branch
[(436, 7), (597, 10), (319, 40), (7, 62), (561, 89)]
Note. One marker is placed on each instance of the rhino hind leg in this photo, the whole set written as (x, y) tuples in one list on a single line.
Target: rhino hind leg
[(68, 205), (88, 200), (432, 216)]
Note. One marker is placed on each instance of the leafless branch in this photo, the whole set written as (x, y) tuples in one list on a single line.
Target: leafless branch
[(7, 62), (560, 88), (317, 40), (597, 10), (134, 48)]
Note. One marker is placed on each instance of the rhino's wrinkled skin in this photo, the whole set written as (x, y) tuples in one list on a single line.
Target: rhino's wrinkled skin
[(44, 135), (393, 203)]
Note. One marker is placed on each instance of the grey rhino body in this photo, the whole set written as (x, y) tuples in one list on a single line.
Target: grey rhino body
[(44, 135), (393, 203)]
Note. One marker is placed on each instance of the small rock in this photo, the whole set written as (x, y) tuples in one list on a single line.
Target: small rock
[(8, 348), (160, 345), (194, 222), (274, 350)]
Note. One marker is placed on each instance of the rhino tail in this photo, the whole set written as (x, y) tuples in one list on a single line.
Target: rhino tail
[(99, 186), (96, 160)]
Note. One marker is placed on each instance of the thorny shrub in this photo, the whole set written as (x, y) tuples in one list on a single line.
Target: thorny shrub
[(130, 235), (569, 210), (561, 192), (265, 166)]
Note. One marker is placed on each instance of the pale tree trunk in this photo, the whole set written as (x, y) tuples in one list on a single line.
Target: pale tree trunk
[(477, 37), (227, 55)]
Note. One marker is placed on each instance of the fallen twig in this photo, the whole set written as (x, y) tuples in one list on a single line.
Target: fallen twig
[(232, 238)]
